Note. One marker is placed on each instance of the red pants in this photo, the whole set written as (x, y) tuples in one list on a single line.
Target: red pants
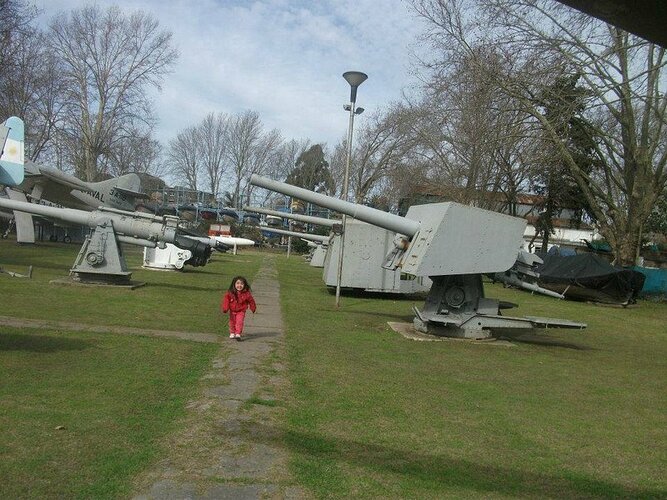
[(236, 320)]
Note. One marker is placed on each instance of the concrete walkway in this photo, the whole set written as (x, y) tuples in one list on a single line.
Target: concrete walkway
[(232, 445)]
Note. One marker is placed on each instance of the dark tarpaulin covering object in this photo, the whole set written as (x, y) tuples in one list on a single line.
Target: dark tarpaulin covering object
[(589, 277)]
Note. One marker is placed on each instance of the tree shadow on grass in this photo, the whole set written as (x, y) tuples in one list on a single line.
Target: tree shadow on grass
[(540, 340), (445, 473), (177, 286), (404, 318), (207, 272), (40, 343), (363, 294)]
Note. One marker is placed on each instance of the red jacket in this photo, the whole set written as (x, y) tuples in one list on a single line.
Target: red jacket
[(238, 302)]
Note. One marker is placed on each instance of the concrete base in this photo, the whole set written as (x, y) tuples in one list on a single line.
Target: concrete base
[(450, 331), (408, 331)]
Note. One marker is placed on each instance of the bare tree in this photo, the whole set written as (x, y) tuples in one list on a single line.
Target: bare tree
[(138, 152), (286, 157), (279, 167), (381, 144), (336, 157), (468, 138), (30, 86), (249, 150), (622, 75), (109, 59), (183, 157), (16, 18), (212, 132), (265, 155), (244, 132)]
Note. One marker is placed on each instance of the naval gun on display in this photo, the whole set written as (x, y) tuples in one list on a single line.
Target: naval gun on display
[(524, 274), (452, 244), (100, 260), (296, 234), (366, 246), (307, 219), (319, 244)]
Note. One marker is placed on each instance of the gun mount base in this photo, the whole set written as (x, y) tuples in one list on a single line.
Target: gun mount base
[(100, 260), (101, 279), (456, 307)]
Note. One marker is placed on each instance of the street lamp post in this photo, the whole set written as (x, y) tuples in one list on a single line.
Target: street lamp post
[(354, 78)]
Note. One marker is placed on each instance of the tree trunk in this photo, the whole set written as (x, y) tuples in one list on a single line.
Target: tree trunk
[(626, 250)]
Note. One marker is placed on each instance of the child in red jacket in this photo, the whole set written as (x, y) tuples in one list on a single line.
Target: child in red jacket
[(236, 301)]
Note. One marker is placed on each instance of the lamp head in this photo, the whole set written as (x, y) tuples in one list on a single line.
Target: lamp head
[(354, 78)]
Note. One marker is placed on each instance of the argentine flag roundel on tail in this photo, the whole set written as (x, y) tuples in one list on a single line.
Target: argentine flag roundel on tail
[(12, 154)]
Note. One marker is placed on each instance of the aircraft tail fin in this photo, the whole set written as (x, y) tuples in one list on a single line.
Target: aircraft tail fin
[(128, 184), (12, 154)]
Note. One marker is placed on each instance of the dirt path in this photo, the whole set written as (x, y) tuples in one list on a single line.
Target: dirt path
[(232, 445)]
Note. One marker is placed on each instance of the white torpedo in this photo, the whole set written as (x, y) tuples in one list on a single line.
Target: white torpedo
[(234, 242)]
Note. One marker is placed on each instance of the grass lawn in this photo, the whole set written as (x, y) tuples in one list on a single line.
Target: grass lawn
[(563, 413), (560, 414), (169, 300), (82, 413)]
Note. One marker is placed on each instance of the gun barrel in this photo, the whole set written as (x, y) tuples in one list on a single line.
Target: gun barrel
[(126, 223), (373, 216), (305, 236), (308, 219)]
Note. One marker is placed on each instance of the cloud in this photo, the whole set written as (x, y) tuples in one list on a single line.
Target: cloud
[(283, 59)]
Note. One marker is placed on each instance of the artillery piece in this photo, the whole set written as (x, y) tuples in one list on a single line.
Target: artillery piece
[(366, 246), (100, 260), (308, 219), (318, 248), (454, 245), (306, 236)]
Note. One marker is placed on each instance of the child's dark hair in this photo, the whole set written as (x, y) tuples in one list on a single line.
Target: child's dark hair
[(246, 285)]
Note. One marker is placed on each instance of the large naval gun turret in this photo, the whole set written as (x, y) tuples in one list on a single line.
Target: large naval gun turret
[(366, 246), (100, 259), (454, 245)]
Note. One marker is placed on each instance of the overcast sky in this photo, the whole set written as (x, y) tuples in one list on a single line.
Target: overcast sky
[(281, 58)]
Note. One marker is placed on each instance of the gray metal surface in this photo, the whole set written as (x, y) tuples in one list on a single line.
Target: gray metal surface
[(459, 239), (308, 219), (367, 214), (365, 249), (100, 259), (25, 230), (305, 236), (133, 224), (318, 256), (450, 243)]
